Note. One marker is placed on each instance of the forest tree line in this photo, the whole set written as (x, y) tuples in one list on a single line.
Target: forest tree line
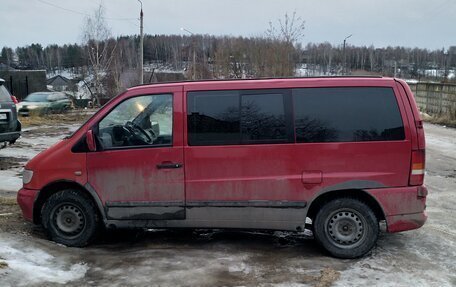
[(235, 57)]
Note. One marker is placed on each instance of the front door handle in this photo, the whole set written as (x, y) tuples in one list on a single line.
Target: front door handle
[(169, 165)]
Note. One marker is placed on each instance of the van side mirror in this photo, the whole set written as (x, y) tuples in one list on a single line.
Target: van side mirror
[(90, 140)]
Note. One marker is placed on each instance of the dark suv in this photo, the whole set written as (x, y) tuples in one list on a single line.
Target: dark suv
[(10, 126)]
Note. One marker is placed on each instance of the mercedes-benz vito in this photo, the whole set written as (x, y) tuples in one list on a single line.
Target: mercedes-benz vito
[(344, 153)]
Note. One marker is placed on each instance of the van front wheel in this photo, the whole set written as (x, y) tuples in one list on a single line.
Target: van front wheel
[(70, 218), (346, 228)]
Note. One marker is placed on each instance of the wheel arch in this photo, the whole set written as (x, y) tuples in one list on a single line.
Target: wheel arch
[(56, 186), (359, 194)]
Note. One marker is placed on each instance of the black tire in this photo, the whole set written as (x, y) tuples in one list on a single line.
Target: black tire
[(70, 218), (346, 228)]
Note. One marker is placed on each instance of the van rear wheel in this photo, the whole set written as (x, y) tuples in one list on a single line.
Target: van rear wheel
[(346, 228), (70, 218)]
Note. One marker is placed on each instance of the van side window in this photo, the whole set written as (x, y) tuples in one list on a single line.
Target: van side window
[(263, 118), (213, 118), (138, 121), (347, 115), (238, 117)]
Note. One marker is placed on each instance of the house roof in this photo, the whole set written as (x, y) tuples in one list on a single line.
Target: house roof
[(57, 78)]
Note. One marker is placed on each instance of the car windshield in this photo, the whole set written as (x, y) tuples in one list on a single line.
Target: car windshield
[(37, 97)]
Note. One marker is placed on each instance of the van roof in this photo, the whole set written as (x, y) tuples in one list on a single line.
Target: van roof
[(216, 82)]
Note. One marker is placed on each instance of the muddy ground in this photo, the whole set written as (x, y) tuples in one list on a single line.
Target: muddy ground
[(423, 257)]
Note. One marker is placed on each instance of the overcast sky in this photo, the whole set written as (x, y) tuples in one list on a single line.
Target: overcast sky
[(411, 23)]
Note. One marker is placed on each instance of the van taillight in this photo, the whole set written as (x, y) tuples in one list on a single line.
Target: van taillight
[(417, 167)]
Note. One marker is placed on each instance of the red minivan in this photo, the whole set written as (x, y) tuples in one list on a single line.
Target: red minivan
[(346, 154)]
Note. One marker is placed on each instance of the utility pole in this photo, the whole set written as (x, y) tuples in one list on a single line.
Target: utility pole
[(395, 68), (141, 47), (96, 70), (194, 52), (344, 68), (194, 63)]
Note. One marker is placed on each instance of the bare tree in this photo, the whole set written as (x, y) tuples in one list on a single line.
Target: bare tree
[(287, 35), (100, 51), (289, 30)]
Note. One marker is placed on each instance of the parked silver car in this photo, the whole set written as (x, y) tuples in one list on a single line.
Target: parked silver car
[(44, 102)]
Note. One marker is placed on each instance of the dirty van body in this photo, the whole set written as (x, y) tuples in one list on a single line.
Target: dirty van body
[(347, 153)]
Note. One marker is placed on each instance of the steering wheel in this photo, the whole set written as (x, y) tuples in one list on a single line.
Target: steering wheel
[(139, 131)]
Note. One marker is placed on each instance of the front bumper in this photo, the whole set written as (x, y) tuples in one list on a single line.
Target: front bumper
[(26, 200), (26, 112)]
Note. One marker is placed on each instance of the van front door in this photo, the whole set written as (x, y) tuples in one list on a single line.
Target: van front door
[(137, 169)]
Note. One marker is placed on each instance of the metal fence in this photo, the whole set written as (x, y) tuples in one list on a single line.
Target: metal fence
[(436, 98), (21, 83)]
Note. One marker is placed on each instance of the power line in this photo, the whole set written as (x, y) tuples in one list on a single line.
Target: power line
[(82, 13), (65, 9), (133, 23)]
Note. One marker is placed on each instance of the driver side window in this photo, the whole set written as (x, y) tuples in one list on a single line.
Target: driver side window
[(138, 121)]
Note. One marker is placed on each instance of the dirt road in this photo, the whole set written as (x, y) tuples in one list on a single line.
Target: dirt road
[(424, 257)]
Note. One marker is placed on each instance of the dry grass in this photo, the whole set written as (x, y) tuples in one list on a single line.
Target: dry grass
[(443, 121), (440, 120), (75, 116), (327, 278), (3, 265), (8, 201), (448, 120)]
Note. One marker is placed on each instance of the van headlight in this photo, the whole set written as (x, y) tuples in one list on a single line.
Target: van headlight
[(27, 176)]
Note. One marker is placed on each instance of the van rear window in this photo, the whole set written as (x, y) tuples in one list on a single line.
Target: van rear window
[(347, 115)]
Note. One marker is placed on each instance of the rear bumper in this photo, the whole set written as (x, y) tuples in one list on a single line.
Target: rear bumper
[(397, 223), (403, 207), (26, 200), (9, 137)]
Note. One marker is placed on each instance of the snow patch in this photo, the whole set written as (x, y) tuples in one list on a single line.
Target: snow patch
[(10, 180), (31, 265), (441, 141), (411, 81), (289, 284), (67, 73), (241, 267), (428, 264)]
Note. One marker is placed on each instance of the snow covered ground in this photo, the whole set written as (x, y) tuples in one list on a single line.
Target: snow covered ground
[(423, 257), (427, 256), (34, 140), (29, 265)]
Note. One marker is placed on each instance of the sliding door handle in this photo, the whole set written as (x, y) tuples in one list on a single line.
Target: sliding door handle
[(169, 165)]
